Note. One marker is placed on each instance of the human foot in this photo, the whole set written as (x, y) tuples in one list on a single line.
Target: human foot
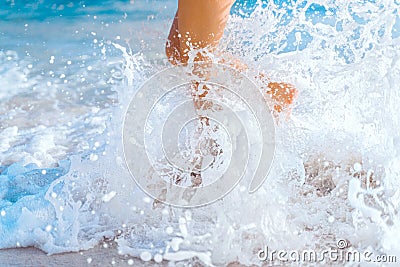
[(282, 94)]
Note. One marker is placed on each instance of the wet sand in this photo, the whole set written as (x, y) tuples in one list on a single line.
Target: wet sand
[(98, 256)]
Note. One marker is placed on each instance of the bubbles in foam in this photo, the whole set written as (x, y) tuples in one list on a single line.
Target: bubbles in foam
[(145, 256), (336, 167)]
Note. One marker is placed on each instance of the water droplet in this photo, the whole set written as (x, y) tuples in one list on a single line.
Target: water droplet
[(357, 167), (94, 157), (169, 230), (158, 258), (145, 256)]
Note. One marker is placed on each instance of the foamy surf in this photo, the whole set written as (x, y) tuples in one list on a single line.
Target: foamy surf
[(335, 175)]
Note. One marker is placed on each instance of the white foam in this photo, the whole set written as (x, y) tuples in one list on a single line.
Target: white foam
[(336, 169)]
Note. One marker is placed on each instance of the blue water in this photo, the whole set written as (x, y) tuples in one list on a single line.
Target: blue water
[(64, 86)]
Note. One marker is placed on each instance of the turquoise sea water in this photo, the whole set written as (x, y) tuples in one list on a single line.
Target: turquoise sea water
[(68, 70)]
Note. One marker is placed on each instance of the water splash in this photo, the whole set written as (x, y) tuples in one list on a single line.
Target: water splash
[(336, 171)]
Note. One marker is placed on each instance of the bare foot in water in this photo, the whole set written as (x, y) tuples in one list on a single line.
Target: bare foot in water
[(281, 94)]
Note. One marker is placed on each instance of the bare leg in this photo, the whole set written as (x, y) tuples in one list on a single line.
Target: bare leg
[(199, 24), (172, 47)]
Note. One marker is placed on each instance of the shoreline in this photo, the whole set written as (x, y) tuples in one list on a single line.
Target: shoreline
[(97, 256)]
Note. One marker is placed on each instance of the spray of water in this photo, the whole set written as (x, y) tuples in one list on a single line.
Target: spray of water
[(336, 170)]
